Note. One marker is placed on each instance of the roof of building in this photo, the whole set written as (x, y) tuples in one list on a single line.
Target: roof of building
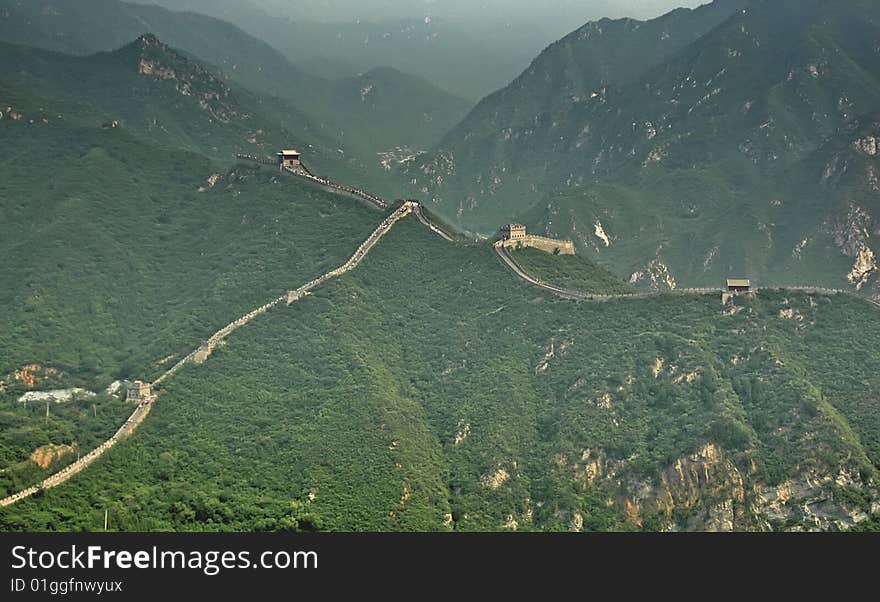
[(738, 282), (289, 152), (511, 226)]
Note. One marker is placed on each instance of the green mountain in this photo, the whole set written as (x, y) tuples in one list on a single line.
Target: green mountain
[(393, 110), (510, 131), (370, 405), (160, 95), (125, 245), (90, 26), (428, 389), (468, 62), (700, 162)]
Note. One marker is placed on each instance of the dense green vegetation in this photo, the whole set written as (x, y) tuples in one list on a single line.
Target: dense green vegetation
[(83, 423), (430, 388), (569, 271), (708, 143), (468, 61), (370, 405), (163, 97), (119, 260), (126, 258), (361, 113)]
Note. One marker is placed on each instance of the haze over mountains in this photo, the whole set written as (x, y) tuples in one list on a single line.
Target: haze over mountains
[(698, 143), (467, 48), (412, 111), (432, 388)]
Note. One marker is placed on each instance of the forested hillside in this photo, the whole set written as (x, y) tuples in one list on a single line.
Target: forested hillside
[(129, 255), (425, 382), (676, 160), (335, 107), (378, 408)]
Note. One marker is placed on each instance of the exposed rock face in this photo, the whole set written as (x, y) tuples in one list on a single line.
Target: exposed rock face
[(852, 232), (707, 491), (808, 501), (707, 482), (211, 182), (689, 377), (545, 361), (464, 429), (147, 67), (600, 233), (590, 467), (704, 486), (864, 266), (33, 375), (605, 401), (852, 236), (495, 479), (157, 60), (11, 114), (552, 352), (791, 314), (873, 179), (658, 367), (869, 145), (656, 273), (655, 156), (46, 455)]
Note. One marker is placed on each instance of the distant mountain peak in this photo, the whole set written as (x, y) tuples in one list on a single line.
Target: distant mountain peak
[(156, 60), (149, 39), (149, 44)]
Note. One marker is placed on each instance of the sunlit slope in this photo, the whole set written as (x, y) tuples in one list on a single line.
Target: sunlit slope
[(129, 252), (432, 389), (125, 259)]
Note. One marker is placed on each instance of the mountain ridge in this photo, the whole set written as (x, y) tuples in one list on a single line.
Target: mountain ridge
[(90, 26), (729, 120)]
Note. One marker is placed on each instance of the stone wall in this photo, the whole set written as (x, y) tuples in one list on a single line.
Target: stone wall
[(256, 159), (548, 245), (302, 171), (204, 350), (65, 473)]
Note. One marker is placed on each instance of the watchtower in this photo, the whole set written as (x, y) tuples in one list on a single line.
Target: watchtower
[(513, 232), (138, 392), (289, 159), (203, 352), (739, 285)]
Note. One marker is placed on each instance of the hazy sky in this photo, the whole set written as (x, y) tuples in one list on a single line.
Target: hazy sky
[(561, 15), (483, 9)]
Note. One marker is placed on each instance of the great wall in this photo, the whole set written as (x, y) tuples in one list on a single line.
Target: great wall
[(304, 172), (70, 470), (565, 293), (548, 245), (203, 352)]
